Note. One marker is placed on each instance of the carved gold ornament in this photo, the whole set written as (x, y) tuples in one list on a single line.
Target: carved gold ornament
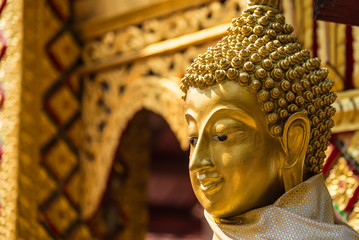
[(341, 184)]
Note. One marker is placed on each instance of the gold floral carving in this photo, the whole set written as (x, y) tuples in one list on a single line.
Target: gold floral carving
[(107, 21), (136, 37), (341, 184), (10, 73), (170, 45)]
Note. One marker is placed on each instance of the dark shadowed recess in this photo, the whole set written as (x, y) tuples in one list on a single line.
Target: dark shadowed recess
[(172, 204)]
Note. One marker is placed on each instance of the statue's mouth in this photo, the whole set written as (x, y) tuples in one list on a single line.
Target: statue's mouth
[(210, 184)]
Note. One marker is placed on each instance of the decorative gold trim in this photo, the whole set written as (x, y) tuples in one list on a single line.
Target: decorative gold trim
[(11, 22), (134, 38), (159, 48), (95, 27)]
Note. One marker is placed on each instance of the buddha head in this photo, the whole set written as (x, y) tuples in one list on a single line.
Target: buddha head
[(259, 113)]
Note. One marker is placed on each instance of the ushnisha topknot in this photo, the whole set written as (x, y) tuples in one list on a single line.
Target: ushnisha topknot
[(260, 52)]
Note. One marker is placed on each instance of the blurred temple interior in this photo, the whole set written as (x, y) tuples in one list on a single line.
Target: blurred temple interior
[(93, 138)]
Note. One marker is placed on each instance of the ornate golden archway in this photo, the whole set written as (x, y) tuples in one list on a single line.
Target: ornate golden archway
[(106, 115)]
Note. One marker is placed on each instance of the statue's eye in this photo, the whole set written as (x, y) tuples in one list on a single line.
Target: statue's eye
[(220, 138), (193, 141)]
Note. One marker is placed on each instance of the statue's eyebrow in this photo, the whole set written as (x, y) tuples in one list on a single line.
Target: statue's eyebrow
[(240, 115), (189, 117)]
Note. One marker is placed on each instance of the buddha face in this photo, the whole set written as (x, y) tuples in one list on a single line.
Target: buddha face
[(235, 164)]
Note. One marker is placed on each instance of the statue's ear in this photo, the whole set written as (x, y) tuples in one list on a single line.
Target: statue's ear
[(296, 135)]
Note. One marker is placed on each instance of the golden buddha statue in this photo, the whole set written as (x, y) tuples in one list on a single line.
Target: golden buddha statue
[(259, 115)]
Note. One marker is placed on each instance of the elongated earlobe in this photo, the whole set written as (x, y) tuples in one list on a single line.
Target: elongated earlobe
[(295, 141)]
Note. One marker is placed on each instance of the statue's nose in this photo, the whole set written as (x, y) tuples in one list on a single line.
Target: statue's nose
[(200, 158), (201, 164)]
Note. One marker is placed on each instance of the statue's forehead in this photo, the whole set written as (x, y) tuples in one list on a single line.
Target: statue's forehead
[(226, 94), (201, 105)]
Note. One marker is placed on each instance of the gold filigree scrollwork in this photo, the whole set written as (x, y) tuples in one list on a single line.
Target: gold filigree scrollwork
[(136, 37), (341, 184)]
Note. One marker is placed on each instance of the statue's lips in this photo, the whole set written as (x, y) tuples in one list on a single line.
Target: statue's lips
[(210, 185)]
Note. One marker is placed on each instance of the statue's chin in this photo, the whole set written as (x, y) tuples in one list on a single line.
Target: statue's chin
[(220, 209), (222, 214)]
